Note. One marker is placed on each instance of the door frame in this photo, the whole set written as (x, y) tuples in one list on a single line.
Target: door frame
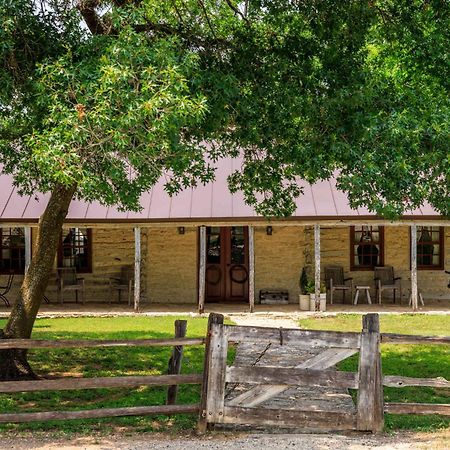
[(226, 294)]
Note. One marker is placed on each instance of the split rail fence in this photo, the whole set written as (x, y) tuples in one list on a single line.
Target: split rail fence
[(264, 382)]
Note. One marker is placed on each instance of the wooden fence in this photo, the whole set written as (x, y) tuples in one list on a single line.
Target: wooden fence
[(244, 409), (172, 380), (333, 347)]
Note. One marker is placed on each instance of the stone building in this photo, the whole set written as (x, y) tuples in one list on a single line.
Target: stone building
[(207, 245)]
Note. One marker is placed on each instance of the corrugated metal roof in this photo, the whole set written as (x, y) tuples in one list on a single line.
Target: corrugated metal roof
[(206, 202)]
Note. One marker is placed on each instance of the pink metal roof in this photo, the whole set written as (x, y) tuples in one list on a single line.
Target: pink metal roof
[(205, 202)]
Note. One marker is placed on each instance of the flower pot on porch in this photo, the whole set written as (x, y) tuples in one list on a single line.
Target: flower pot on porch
[(303, 301), (322, 302)]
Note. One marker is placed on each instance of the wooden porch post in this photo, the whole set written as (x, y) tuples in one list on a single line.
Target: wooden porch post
[(317, 263), (251, 264), (137, 268), (27, 234), (414, 292), (202, 271)]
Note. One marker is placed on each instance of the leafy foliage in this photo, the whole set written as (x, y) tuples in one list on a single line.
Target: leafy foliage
[(110, 95)]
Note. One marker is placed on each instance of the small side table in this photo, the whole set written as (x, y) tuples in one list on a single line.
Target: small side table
[(363, 288)]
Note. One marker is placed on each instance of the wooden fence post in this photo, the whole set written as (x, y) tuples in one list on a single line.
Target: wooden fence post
[(370, 409), (213, 319), (175, 361)]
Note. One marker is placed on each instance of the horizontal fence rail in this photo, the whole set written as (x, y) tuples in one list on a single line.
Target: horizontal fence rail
[(87, 343), (299, 338), (65, 384), (291, 377), (396, 381), (99, 413), (391, 338), (417, 408)]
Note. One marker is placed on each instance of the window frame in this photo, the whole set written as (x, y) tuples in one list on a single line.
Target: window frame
[(14, 271), (355, 268), (440, 265), (88, 269)]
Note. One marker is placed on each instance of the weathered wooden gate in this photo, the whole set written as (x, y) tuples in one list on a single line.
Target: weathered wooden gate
[(271, 381)]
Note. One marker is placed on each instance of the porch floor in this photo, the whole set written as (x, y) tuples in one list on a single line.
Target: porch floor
[(229, 309)]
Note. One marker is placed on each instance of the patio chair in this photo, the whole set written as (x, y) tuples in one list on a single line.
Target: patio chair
[(335, 281), (386, 281), (124, 283), (68, 281), (6, 288)]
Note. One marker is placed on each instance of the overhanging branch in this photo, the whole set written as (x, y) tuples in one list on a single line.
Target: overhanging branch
[(90, 16)]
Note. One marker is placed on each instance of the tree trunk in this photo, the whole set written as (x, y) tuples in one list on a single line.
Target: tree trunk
[(13, 363)]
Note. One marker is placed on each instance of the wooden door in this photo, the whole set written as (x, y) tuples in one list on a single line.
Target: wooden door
[(226, 264)]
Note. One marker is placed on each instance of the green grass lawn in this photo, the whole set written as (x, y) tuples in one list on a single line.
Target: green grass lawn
[(113, 361), (422, 361)]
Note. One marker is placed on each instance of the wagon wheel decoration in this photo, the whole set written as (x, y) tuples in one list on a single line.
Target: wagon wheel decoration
[(238, 273), (213, 275)]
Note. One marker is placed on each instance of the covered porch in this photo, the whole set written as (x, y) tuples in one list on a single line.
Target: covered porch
[(168, 264)]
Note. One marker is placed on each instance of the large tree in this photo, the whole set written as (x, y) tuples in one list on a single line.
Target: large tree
[(99, 98)]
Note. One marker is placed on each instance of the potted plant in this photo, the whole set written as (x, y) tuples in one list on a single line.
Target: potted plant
[(311, 289), (303, 298)]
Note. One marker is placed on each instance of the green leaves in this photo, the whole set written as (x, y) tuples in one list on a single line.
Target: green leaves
[(302, 90)]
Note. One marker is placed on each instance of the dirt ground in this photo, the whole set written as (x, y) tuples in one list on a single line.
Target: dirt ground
[(227, 441)]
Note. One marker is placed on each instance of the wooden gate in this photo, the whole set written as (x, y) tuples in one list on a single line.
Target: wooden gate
[(271, 381)]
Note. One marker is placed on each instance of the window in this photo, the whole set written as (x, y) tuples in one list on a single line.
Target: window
[(75, 249), (12, 242), (367, 247), (430, 246)]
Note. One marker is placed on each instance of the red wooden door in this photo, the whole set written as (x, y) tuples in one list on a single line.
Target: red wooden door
[(226, 264)]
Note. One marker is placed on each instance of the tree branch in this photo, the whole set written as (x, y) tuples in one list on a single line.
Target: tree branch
[(164, 28), (202, 5), (236, 10), (90, 16)]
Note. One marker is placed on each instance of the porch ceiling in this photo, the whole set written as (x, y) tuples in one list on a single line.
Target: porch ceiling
[(210, 203)]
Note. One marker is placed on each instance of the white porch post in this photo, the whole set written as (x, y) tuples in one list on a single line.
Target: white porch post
[(251, 264), (137, 268), (202, 270), (414, 292), (317, 263), (27, 234)]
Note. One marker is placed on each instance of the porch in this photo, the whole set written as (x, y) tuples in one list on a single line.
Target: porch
[(170, 264)]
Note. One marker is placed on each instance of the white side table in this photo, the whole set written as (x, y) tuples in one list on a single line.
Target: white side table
[(363, 288)]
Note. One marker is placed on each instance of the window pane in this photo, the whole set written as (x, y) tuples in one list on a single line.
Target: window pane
[(366, 246), (237, 245), (428, 247), (12, 250), (75, 249), (213, 245)]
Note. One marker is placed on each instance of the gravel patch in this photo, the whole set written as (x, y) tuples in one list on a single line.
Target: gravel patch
[(399, 441)]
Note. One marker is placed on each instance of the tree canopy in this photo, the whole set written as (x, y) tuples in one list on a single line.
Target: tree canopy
[(106, 96)]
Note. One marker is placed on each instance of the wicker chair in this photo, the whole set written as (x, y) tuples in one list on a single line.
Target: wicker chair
[(335, 281), (386, 281), (68, 281), (124, 283)]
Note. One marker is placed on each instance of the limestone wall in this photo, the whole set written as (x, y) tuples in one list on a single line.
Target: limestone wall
[(171, 267), (279, 259)]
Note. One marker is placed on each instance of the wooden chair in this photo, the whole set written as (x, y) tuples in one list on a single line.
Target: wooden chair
[(335, 281), (6, 288), (386, 281), (124, 283), (68, 281)]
